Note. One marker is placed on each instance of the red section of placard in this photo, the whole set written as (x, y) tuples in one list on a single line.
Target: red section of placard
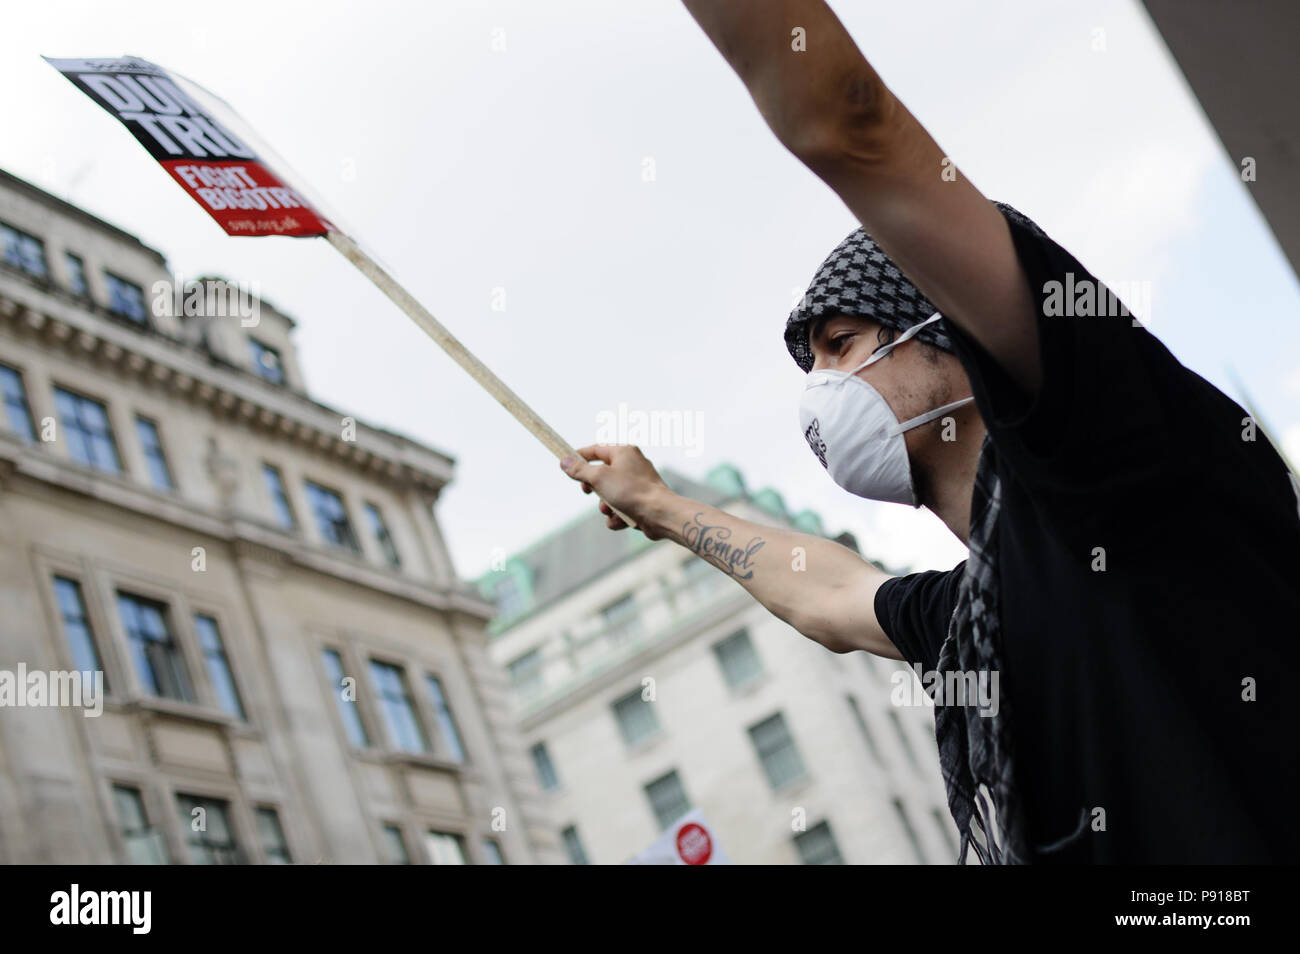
[(246, 198), (694, 846)]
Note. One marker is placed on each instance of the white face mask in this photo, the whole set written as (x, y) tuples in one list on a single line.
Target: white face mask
[(856, 435)]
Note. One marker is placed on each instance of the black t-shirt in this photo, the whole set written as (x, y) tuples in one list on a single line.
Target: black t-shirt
[(1158, 688)]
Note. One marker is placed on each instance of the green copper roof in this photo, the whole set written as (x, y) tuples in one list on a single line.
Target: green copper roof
[(771, 501), (583, 548)]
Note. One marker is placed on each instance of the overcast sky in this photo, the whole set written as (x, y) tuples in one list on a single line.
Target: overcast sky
[(473, 170)]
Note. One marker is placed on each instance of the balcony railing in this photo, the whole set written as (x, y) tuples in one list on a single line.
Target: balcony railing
[(678, 607)]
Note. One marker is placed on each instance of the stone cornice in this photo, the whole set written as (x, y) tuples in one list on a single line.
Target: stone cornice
[(250, 539), (531, 713), (62, 206), (180, 370)]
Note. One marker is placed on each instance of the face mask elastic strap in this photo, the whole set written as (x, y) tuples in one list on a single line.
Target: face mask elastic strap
[(885, 349), (929, 416)]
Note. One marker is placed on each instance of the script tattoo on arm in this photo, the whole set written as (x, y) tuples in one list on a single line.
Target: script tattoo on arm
[(712, 542)]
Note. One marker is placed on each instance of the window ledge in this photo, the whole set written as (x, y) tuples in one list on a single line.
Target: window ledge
[(751, 685), (427, 760), (641, 746), (190, 711), (794, 786)]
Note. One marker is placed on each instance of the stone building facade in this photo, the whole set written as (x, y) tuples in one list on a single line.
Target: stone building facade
[(292, 671), (648, 684)]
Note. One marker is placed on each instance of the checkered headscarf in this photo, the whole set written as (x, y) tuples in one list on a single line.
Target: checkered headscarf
[(859, 280)]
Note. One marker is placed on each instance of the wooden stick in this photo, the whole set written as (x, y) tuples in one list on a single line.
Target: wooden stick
[(458, 352)]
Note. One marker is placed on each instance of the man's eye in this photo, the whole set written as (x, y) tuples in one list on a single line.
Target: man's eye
[(839, 342)]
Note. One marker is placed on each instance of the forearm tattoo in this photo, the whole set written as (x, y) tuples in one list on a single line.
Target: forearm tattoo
[(711, 542)]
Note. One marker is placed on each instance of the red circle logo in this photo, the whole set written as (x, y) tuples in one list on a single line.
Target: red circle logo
[(693, 844)]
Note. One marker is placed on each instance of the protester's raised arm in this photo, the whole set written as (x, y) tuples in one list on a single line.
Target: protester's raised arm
[(823, 589), (807, 100), (827, 105)]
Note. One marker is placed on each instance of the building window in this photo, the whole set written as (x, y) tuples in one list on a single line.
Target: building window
[(444, 848), (266, 361), (404, 729), (76, 626), (17, 410), (76, 270), (331, 517), (157, 657), (23, 251), (526, 672), (943, 822), (777, 751), (144, 844), (125, 298), (636, 718), (573, 846), (622, 620), (867, 737), (345, 696), (395, 852), (510, 602), (160, 474), (379, 530), (668, 798), (87, 432), (546, 774), (906, 823), (492, 852), (738, 659), (903, 740), (442, 717), (208, 832), (214, 655), (817, 846), (279, 498), (701, 576), (271, 834)]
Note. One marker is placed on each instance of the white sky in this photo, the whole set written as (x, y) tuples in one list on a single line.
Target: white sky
[(469, 169)]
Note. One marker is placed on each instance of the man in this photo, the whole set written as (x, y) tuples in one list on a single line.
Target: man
[(1134, 568)]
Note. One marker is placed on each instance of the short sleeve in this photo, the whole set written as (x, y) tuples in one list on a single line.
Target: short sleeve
[(1109, 388), (914, 611)]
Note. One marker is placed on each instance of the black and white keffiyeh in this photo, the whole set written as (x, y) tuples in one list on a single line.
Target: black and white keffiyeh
[(975, 751), (859, 279)]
